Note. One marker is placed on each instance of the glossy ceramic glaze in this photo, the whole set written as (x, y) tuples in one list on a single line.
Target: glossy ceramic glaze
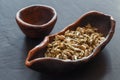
[(36, 21), (36, 60)]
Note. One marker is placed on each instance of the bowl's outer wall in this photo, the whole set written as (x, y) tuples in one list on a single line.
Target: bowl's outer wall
[(36, 32), (96, 19)]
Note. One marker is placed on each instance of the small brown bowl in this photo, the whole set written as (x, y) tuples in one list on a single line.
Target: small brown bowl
[(36, 21), (36, 60)]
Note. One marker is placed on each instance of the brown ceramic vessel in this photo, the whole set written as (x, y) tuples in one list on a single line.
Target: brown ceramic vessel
[(36, 60), (36, 21)]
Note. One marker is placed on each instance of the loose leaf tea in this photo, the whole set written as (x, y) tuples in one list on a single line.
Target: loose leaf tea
[(73, 45)]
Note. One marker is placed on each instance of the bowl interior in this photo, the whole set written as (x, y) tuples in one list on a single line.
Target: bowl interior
[(36, 15), (100, 21)]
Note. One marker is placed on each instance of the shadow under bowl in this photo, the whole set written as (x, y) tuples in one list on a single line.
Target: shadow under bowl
[(36, 60), (36, 21)]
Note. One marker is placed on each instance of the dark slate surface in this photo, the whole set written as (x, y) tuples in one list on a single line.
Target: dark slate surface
[(14, 45)]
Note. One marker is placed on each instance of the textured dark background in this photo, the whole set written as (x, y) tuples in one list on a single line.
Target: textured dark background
[(14, 45)]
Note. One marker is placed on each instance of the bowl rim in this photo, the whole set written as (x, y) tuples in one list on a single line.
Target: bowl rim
[(37, 5), (84, 59)]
